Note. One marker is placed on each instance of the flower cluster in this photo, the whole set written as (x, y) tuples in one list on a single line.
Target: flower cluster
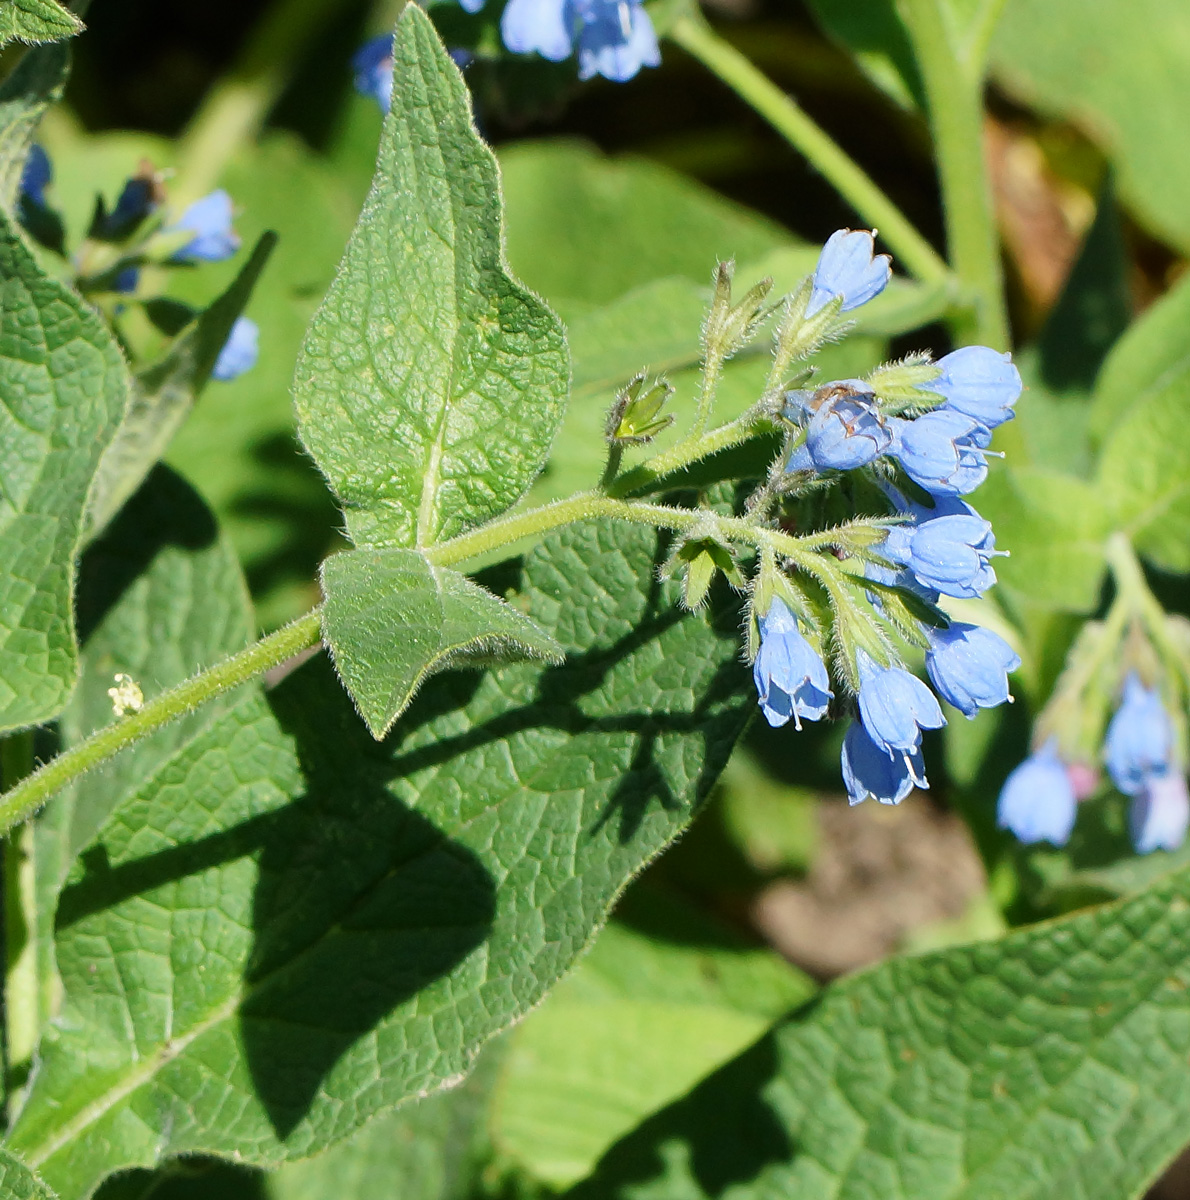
[(612, 38), (138, 231), (919, 431)]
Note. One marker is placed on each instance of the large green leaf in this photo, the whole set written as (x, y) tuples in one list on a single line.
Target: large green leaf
[(1049, 1063), (1121, 70), (663, 998), (17, 1182), (63, 389), (287, 929), (390, 619), (35, 83), (36, 21), (431, 383)]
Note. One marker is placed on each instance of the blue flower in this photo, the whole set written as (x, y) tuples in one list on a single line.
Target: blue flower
[(868, 771), (1037, 800), (944, 451), (969, 666), (373, 67), (979, 382), (239, 352), (948, 554), (127, 280), (895, 707), (209, 219), (615, 40), (136, 201), (36, 175), (541, 26), (845, 430), (791, 680), (1139, 739), (1160, 813), (848, 267)]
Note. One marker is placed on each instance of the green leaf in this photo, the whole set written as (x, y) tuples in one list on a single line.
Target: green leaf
[(1144, 471), (662, 999), (1054, 527), (391, 619), (163, 395), (1155, 349), (36, 21), (301, 929), (35, 83), (63, 389), (873, 32), (431, 383), (1122, 74), (1049, 1063), (17, 1182)]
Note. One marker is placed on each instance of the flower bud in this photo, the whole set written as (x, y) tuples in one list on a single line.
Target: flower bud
[(850, 270), (729, 327), (635, 417)]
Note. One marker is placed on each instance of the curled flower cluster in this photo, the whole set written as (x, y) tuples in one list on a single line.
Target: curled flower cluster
[(612, 38), (920, 431), (134, 232)]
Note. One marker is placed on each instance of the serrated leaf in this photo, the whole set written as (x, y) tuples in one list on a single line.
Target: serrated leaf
[(1049, 1063), (36, 21), (431, 383), (63, 389), (35, 83), (288, 929), (17, 1182), (391, 619), (163, 395)]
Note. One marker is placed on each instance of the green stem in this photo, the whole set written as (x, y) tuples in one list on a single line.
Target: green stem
[(22, 995), (235, 109), (722, 59), (22, 801), (954, 91)]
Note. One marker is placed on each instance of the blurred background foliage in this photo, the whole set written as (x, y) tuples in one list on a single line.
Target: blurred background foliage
[(619, 199)]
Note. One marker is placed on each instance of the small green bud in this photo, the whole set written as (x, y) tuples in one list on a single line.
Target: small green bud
[(798, 336), (898, 384), (635, 418), (699, 557), (728, 327)]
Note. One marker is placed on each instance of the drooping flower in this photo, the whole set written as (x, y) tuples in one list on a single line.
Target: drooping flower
[(868, 771), (895, 707), (942, 450), (239, 352), (1139, 739), (1037, 800), (373, 67), (1160, 813), (791, 679), (209, 219), (544, 27), (137, 199), (616, 38), (845, 430), (849, 267), (36, 175), (968, 666), (949, 554), (979, 382)]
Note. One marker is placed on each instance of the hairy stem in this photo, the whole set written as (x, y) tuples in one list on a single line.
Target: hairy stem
[(22, 801), (22, 997), (697, 38)]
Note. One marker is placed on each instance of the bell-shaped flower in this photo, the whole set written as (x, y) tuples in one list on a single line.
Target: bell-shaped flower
[(849, 267), (1139, 739), (209, 219), (1160, 813), (895, 707), (968, 666), (791, 679), (979, 382), (616, 38), (373, 67), (845, 430), (868, 771), (545, 27), (1037, 801), (942, 450), (36, 175), (949, 554), (239, 352)]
